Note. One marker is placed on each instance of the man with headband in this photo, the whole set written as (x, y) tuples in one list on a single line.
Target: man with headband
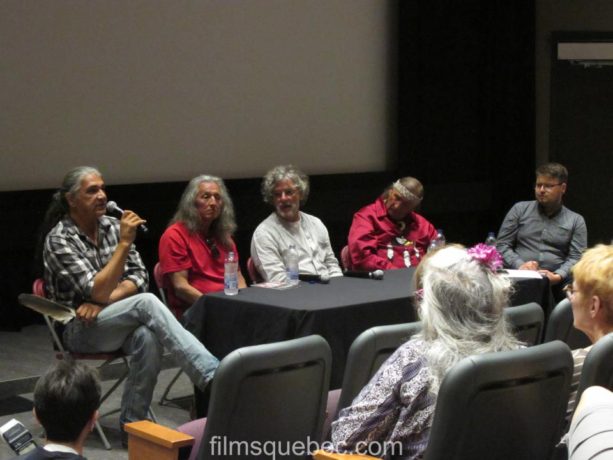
[(388, 233)]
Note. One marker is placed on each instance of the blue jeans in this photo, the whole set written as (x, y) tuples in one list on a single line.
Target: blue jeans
[(142, 327)]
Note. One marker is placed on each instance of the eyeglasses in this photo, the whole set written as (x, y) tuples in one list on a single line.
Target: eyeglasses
[(569, 291), (289, 192), (547, 187), (213, 247)]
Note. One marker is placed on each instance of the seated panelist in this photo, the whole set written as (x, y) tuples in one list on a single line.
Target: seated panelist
[(388, 233), (92, 266), (193, 248), (461, 309), (286, 188)]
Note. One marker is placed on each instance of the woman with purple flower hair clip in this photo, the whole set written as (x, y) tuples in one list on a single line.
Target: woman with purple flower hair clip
[(462, 314)]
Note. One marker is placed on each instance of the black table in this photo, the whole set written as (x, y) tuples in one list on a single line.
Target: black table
[(338, 311)]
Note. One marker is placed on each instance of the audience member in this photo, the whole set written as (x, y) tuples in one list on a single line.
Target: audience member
[(286, 189), (193, 248), (591, 295), (66, 401), (544, 235), (92, 266), (389, 233), (591, 431), (462, 314)]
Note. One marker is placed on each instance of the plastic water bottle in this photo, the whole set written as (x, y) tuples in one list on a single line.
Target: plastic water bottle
[(439, 241), (491, 239), (291, 265), (230, 278)]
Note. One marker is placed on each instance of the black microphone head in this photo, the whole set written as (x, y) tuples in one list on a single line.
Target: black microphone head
[(377, 275)]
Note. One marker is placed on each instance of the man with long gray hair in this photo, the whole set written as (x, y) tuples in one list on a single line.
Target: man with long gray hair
[(286, 188), (91, 265), (193, 248)]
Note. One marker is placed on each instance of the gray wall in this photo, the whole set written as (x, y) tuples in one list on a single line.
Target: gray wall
[(155, 90), (560, 15)]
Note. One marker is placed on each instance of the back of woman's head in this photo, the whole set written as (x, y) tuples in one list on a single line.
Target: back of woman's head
[(462, 308)]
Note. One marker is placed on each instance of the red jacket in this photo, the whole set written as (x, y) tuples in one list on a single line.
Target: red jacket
[(374, 237)]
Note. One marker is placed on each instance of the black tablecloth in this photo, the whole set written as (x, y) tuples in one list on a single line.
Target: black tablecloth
[(338, 311)]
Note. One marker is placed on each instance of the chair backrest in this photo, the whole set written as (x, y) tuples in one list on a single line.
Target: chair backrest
[(38, 287), (598, 366), (505, 405), (346, 258), (560, 327), (368, 351), (254, 274), (273, 393), (527, 321), (160, 281)]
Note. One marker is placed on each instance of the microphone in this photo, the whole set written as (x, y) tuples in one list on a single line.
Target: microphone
[(324, 278), (111, 206), (374, 275)]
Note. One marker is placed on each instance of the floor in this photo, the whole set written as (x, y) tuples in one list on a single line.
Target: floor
[(26, 354)]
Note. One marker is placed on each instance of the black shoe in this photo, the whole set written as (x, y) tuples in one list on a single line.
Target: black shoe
[(202, 399), (124, 437)]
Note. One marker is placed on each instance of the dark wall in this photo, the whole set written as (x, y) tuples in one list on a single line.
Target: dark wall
[(582, 135), (466, 108)]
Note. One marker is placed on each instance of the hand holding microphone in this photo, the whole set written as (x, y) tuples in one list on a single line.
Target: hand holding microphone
[(111, 206)]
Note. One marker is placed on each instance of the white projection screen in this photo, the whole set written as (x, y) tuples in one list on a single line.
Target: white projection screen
[(156, 91)]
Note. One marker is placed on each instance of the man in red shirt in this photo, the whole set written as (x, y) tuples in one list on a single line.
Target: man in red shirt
[(388, 233), (193, 248)]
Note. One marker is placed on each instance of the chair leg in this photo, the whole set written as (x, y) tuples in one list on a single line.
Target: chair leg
[(103, 438), (164, 400)]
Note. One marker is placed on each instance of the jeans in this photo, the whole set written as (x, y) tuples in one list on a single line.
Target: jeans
[(142, 326)]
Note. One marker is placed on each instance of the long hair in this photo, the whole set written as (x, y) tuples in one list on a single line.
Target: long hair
[(461, 310), (279, 173), (221, 228), (58, 207)]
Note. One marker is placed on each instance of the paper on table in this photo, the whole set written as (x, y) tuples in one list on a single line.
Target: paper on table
[(274, 285), (523, 274)]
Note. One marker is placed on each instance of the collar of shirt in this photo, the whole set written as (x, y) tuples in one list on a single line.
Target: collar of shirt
[(59, 448)]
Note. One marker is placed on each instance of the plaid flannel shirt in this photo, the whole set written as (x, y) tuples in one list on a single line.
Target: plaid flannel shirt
[(72, 261)]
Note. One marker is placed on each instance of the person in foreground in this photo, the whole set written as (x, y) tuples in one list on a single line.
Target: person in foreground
[(389, 233), (591, 431), (193, 248), (462, 315), (286, 188), (91, 265), (591, 296), (544, 235), (66, 401)]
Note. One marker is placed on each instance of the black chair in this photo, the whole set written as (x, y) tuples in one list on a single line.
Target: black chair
[(527, 322), (368, 351), (598, 366), (506, 405), (560, 327), (274, 392)]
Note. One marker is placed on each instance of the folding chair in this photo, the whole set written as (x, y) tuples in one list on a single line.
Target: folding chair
[(161, 282), (54, 312)]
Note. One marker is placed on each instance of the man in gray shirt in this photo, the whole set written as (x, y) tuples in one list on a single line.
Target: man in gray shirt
[(544, 235)]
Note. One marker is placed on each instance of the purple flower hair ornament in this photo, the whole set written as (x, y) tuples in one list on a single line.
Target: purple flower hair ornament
[(487, 256)]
